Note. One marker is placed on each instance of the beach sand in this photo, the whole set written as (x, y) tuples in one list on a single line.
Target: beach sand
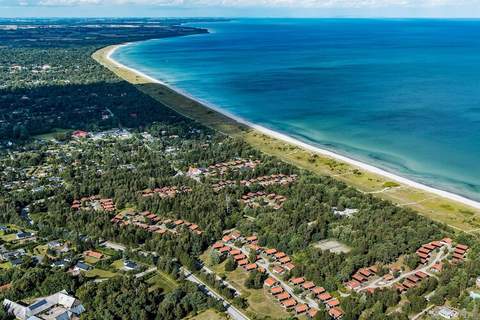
[(455, 210)]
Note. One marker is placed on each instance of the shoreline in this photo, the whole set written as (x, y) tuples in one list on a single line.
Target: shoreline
[(298, 143)]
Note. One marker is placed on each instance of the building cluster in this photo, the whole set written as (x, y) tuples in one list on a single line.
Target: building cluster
[(96, 203), (60, 305), (166, 192), (361, 276), (282, 295), (152, 223), (459, 253), (411, 281), (235, 165), (263, 199), (274, 179)]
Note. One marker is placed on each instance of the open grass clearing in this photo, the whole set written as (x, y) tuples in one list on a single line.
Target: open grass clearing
[(163, 281), (99, 273), (208, 314)]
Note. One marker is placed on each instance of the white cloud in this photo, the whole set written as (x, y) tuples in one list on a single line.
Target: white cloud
[(258, 3)]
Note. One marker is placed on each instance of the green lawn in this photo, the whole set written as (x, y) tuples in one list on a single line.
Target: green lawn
[(209, 314), (6, 265), (9, 237), (163, 281), (50, 135), (118, 264), (91, 260), (40, 250), (99, 273)]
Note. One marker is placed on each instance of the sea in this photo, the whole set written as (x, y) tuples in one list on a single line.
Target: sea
[(400, 94)]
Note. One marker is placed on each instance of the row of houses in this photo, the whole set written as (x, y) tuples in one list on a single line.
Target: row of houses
[(94, 202), (411, 281), (425, 251), (274, 179), (361, 276), (166, 192), (151, 222), (459, 252), (262, 199)]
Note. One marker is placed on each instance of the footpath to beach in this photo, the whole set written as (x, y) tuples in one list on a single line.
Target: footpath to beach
[(458, 212)]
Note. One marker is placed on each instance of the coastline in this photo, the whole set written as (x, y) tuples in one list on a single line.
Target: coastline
[(243, 124)]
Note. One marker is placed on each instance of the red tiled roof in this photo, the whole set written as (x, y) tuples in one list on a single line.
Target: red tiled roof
[(335, 313), (270, 282)]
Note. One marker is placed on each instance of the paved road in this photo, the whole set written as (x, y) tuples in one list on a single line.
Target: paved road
[(381, 283), (231, 310), (144, 273), (207, 270)]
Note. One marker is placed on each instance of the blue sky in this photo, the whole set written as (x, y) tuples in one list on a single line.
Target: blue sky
[(241, 8)]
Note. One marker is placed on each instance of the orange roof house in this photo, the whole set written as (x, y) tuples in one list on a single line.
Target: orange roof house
[(333, 303), (284, 260), (352, 284), (225, 249), (335, 313), (324, 297), (239, 257), (301, 308), (297, 281), (289, 266), (359, 277), (283, 296), (270, 282), (93, 254), (242, 262), (251, 266), (280, 255), (278, 269), (289, 303), (234, 252), (276, 290), (308, 285), (318, 290), (270, 251)]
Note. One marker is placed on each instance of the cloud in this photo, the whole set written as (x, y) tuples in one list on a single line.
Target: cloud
[(251, 3)]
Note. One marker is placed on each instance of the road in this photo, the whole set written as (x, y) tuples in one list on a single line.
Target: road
[(381, 283), (144, 273), (231, 310), (207, 270)]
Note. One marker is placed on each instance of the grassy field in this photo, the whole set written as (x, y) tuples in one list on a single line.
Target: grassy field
[(6, 265), (162, 280), (40, 250), (457, 215), (118, 264), (51, 135), (209, 314), (99, 273)]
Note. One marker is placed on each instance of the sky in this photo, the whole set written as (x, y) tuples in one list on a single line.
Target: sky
[(240, 8)]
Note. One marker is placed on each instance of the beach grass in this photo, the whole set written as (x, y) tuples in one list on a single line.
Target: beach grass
[(437, 208)]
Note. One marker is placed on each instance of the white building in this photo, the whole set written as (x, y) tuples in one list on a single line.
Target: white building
[(447, 313), (58, 306)]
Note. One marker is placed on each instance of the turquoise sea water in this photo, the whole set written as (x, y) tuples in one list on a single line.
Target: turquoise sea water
[(403, 95)]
